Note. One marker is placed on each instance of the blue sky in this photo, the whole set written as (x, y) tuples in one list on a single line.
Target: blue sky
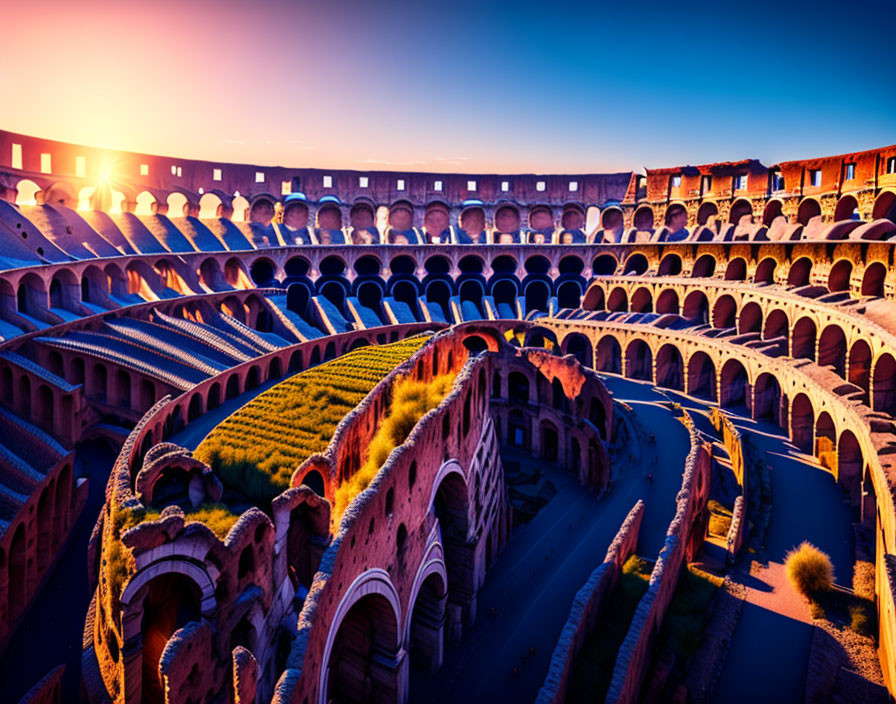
[(459, 86)]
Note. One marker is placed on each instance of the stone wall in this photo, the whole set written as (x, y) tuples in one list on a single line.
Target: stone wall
[(683, 539), (586, 608), (734, 444)]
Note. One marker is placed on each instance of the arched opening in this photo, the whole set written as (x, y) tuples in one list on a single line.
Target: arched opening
[(210, 206), (537, 295), (724, 312), (635, 265), (847, 209), (577, 345), (618, 300), (873, 279), (363, 659), (802, 424), (839, 278), (171, 601), (826, 442), (667, 302), (670, 368), (518, 388), (643, 219), (799, 272), (750, 319), (849, 464), (832, 349), (696, 307), (263, 272), (604, 265), (438, 292), (178, 206), (451, 506), (736, 270), (804, 336), (702, 376), (767, 398), (707, 214), (776, 326), (704, 267), (670, 265), (883, 384), (609, 355), (765, 271), (569, 294), (472, 222), (860, 367), (741, 209), (334, 292), (642, 301), (808, 209), (733, 384), (885, 206), (639, 361), (773, 211), (427, 619), (297, 298)]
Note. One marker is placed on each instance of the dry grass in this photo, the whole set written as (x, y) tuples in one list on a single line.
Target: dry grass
[(411, 400), (258, 447), (719, 518), (863, 580), (809, 570)]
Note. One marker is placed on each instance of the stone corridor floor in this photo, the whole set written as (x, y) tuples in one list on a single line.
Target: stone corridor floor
[(531, 585)]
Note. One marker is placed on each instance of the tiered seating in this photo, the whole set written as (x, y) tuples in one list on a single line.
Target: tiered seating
[(301, 328), (364, 317)]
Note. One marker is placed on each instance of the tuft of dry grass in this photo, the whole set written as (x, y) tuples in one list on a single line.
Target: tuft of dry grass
[(809, 570), (411, 401), (863, 580)]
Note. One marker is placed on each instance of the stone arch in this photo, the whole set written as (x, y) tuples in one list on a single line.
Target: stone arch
[(371, 610), (604, 265), (847, 209), (777, 325), (765, 271), (740, 209), (642, 301), (472, 222), (883, 384), (423, 633), (706, 213), (808, 209), (885, 206), (211, 206), (840, 276), (704, 267), (696, 307), (724, 312), (636, 264), (594, 298), (832, 349), (618, 300), (643, 218), (850, 463), (667, 302), (750, 318), (608, 355), (774, 209), (767, 398), (28, 193), (860, 367), (569, 294), (577, 345), (670, 265), (873, 279), (802, 345), (702, 381), (639, 361), (329, 216), (799, 272), (736, 269), (826, 442), (178, 205), (670, 368), (733, 383), (802, 423), (240, 207)]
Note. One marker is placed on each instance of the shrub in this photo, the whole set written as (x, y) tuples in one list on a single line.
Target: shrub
[(809, 570), (863, 580)]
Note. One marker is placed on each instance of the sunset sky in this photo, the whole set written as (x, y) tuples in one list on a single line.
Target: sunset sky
[(455, 86)]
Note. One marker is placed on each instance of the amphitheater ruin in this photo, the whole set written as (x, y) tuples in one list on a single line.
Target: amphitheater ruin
[(347, 436)]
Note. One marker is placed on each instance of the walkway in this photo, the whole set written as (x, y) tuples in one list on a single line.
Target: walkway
[(529, 589)]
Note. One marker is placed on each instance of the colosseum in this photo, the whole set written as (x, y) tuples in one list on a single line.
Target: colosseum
[(302, 436)]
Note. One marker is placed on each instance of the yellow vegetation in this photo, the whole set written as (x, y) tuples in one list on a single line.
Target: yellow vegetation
[(411, 400), (258, 447), (809, 569)]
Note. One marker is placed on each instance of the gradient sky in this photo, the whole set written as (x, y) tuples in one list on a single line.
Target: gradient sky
[(459, 86)]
